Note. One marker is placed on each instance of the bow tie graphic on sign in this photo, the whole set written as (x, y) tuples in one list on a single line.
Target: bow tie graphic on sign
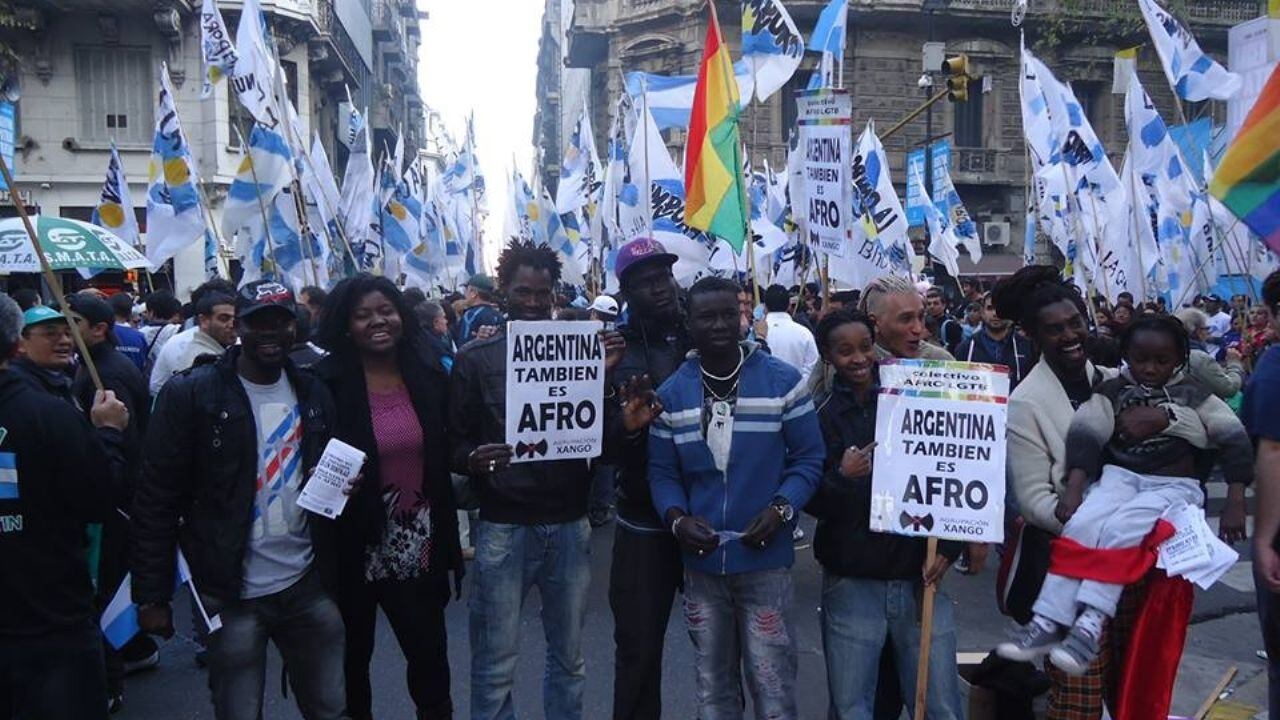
[(531, 450), (915, 522)]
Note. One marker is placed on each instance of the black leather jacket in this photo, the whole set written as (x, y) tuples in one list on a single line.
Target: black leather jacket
[(199, 480), (658, 355)]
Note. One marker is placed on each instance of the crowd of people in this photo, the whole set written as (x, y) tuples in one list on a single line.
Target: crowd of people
[(184, 436)]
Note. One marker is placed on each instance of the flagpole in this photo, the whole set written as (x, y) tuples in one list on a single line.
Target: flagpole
[(49, 277), (648, 191), (262, 208)]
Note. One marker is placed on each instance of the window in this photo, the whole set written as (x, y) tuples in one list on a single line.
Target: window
[(968, 117), (242, 120), (114, 89), (1091, 97)]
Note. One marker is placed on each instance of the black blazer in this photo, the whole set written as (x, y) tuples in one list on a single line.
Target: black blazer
[(365, 519)]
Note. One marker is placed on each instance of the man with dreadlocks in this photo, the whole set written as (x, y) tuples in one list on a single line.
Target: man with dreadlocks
[(533, 528), (1131, 485)]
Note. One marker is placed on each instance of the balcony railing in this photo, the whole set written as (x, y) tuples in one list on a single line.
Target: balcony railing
[(387, 23), (1199, 12)]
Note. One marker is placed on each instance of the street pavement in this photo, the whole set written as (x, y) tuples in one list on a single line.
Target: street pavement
[(1224, 633)]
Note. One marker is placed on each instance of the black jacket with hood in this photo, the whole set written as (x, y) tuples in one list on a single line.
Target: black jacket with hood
[(365, 518), (199, 480), (52, 485)]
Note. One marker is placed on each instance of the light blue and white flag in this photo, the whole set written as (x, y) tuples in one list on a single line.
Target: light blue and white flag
[(524, 213), (401, 217), (1177, 207), (1192, 74), (581, 180), (961, 223), (881, 245), (771, 45), (119, 620), (114, 210), (829, 33), (356, 208), (253, 76), (618, 189), (216, 51), (264, 171), (942, 237), (174, 217), (670, 97)]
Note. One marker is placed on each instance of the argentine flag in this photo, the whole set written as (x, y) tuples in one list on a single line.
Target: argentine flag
[(120, 619), (1193, 75)]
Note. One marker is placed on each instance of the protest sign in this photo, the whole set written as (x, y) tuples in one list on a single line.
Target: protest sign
[(915, 163), (555, 390), (823, 119), (939, 458)]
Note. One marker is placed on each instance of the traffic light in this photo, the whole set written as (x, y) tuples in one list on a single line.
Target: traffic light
[(956, 69)]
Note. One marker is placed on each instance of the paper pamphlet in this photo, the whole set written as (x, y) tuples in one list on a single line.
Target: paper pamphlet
[(324, 493)]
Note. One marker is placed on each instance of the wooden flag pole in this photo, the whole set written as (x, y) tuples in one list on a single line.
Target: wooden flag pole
[(926, 633), (54, 284)]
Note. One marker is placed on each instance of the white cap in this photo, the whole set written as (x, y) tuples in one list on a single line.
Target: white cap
[(605, 304)]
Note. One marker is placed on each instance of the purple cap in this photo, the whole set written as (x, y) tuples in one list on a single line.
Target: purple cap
[(641, 251)]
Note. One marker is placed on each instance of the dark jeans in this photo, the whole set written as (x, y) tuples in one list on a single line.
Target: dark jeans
[(1269, 618), (304, 623), (643, 581), (415, 609), (602, 490), (56, 676)]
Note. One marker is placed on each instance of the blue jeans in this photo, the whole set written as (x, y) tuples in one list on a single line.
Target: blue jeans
[(742, 623), (858, 616), (510, 559), (305, 625)]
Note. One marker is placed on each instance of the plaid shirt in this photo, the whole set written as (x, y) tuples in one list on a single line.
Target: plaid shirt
[(1082, 698)]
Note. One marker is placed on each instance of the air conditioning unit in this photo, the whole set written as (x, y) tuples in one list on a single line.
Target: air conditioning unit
[(995, 234)]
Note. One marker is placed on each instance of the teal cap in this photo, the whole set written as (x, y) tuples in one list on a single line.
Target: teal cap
[(41, 314)]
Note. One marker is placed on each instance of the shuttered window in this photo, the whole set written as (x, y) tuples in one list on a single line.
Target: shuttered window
[(114, 92)]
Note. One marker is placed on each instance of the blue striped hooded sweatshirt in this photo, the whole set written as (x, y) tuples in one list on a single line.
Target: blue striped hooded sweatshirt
[(776, 450)]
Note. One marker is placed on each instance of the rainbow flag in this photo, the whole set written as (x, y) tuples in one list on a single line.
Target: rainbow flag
[(716, 199), (1248, 179)]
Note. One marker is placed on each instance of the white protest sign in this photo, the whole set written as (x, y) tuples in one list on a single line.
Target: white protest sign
[(555, 390), (823, 119), (939, 462)]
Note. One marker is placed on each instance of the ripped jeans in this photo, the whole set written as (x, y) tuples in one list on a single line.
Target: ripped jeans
[(742, 622)]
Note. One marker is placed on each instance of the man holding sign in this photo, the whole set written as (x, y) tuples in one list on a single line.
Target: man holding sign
[(527, 413)]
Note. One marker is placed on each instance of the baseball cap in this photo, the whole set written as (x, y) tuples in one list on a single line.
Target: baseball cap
[(260, 295), (605, 304), (481, 282), (92, 308), (41, 314), (640, 251)]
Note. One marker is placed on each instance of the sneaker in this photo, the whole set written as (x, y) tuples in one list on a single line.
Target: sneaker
[(1033, 641), (961, 564), (1075, 653), (143, 663), (115, 703)]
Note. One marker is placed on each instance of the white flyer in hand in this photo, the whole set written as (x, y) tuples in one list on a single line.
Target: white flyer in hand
[(325, 491)]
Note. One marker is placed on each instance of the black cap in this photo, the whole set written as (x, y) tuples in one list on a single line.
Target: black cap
[(260, 295), (92, 308)]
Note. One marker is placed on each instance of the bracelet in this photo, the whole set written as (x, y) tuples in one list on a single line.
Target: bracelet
[(675, 523)]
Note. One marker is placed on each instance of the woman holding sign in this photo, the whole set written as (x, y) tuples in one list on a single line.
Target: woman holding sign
[(1053, 315), (871, 580), (399, 533)]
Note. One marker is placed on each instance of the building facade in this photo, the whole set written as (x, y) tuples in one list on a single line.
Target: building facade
[(88, 74), (881, 69)]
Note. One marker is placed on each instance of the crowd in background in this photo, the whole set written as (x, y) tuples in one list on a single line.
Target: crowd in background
[(216, 408)]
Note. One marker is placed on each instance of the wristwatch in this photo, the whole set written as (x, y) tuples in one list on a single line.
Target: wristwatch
[(782, 506)]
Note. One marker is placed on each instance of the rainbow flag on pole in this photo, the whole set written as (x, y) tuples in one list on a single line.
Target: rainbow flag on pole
[(1248, 179), (716, 199)]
